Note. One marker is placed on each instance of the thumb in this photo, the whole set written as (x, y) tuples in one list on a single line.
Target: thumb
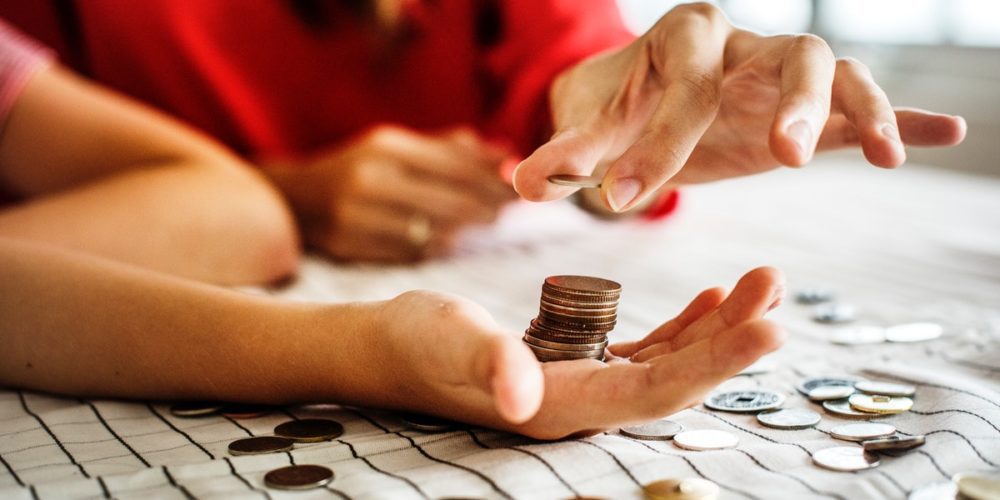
[(514, 379), (574, 151)]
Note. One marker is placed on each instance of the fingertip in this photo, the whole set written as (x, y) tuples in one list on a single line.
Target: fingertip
[(792, 140), (756, 293), (517, 381)]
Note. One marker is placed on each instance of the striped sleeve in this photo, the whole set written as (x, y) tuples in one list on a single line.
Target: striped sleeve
[(20, 57)]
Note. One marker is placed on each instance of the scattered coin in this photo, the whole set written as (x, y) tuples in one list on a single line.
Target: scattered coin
[(789, 418), (828, 392), (812, 296), (189, 409), (934, 491), (876, 403), (580, 181), (660, 430), (575, 315), (897, 442), (834, 313), (808, 384), (426, 423), (691, 488), (885, 388), (843, 408), (310, 430), (744, 401), (705, 439), (845, 459), (913, 332), (981, 485), (258, 445), (858, 335), (862, 431), (245, 410), (298, 477)]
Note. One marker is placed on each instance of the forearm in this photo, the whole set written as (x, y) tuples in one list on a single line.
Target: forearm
[(81, 325)]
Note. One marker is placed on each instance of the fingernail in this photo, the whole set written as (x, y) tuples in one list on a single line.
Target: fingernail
[(801, 133), (513, 176), (889, 130), (777, 297), (622, 192)]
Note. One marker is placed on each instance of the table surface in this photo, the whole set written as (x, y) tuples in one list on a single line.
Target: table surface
[(908, 245)]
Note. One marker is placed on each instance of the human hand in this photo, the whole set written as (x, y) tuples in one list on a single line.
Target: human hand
[(446, 356), (695, 99), (395, 195)]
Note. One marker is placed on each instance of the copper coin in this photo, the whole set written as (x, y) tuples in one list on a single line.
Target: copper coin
[(426, 423), (298, 477), (562, 346), (578, 311), (310, 430), (245, 410), (258, 445), (592, 305)]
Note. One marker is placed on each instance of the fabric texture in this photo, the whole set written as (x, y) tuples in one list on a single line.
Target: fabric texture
[(20, 57)]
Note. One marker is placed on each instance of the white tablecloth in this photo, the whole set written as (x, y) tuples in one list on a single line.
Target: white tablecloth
[(907, 245)]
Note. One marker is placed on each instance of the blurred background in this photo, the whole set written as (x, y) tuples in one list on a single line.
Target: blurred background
[(938, 54)]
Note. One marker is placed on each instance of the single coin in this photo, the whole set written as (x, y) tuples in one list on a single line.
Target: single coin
[(239, 411), (877, 403), (258, 445), (828, 392), (944, 490), (190, 409), (834, 313), (580, 181), (562, 346), (540, 332), (310, 430), (843, 408), (845, 459), (598, 304), (913, 332), (426, 423), (298, 477), (897, 442), (578, 326), (583, 285), (812, 296), (862, 431), (705, 439), (744, 401), (660, 430), (691, 488), (806, 385), (858, 335), (569, 353), (789, 418), (885, 388), (980, 485)]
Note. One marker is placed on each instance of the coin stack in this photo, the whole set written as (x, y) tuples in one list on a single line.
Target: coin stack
[(574, 318)]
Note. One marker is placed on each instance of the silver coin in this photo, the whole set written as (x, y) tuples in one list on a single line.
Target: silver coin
[(845, 459), (426, 423), (885, 388), (812, 296), (789, 418), (579, 181), (258, 445), (561, 346), (310, 430), (744, 401), (689, 488), (190, 409), (828, 392), (565, 353), (913, 332), (862, 431), (808, 384), (897, 442), (842, 407), (944, 490), (858, 335), (877, 403), (705, 439), (834, 313), (298, 477), (979, 485), (660, 430)]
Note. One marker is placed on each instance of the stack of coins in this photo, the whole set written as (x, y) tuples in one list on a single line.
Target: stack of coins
[(574, 318)]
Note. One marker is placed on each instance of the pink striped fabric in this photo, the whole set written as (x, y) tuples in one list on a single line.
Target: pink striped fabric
[(20, 56)]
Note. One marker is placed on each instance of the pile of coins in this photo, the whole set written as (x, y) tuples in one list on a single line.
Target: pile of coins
[(575, 315)]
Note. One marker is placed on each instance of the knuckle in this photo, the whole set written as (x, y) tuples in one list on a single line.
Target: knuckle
[(853, 65), (704, 88), (703, 10), (807, 42), (382, 135)]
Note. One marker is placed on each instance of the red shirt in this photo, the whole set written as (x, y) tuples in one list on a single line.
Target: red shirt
[(256, 77)]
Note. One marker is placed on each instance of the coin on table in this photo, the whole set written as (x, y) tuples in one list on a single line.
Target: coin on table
[(858, 335), (258, 445), (834, 313), (877, 403), (981, 485), (245, 410), (885, 388), (842, 407), (828, 392), (660, 430), (812, 296), (789, 418), (691, 488), (705, 439), (862, 431), (744, 401), (310, 430), (845, 459), (897, 442), (934, 491), (913, 332), (298, 477), (189, 409), (809, 383), (580, 181), (426, 423)]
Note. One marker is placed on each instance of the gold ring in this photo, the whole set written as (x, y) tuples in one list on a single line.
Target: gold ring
[(418, 230)]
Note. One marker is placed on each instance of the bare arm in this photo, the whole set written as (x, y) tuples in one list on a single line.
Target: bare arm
[(105, 175)]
